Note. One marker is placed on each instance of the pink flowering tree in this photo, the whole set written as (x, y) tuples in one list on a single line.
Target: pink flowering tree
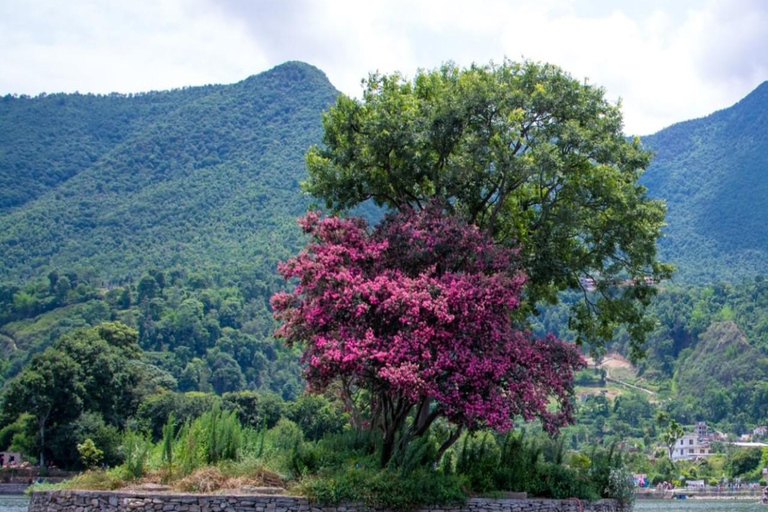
[(418, 315)]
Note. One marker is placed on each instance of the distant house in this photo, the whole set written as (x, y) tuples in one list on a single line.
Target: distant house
[(760, 432), (10, 459), (693, 446)]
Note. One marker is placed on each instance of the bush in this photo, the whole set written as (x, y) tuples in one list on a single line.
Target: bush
[(518, 460), (559, 482), (90, 455), (479, 462), (97, 480), (621, 486), (384, 488), (135, 448), (316, 416)]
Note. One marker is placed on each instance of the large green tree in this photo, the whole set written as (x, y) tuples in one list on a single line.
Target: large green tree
[(524, 151), (108, 362), (49, 389)]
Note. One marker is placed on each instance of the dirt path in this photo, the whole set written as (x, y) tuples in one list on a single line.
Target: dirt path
[(613, 360)]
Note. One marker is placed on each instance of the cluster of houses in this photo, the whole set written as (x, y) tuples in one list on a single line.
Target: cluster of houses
[(697, 444)]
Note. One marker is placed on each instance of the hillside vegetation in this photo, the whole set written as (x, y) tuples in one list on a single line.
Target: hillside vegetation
[(202, 177), (163, 215), (712, 174)]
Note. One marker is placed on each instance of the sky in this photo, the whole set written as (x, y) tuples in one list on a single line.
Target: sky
[(664, 63)]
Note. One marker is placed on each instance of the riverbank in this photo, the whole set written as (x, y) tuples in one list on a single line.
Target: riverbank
[(16, 480), (700, 494)]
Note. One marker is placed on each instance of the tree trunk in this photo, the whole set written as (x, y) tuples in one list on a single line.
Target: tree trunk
[(42, 447), (387, 448), (448, 443), (394, 413)]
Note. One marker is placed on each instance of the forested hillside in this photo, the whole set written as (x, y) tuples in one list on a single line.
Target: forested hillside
[(159, 218), (713, 174), (113, 185)]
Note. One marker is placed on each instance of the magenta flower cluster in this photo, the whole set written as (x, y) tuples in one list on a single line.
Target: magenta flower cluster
[(423, 306)]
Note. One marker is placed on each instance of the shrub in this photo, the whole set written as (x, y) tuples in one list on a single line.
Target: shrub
[(621, 486), (384, 488), (479, 461), (135, 448), (90, 455), (96, 480), (559, 482)]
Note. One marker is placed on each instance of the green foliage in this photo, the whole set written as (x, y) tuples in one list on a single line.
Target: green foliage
[(316, 416), (97, 480), (154, 411), (135, 447), (13, 433), (621, 486), (525, 152), (224, 438), (478, 460), (671, 434), (535, 465), (709, 171), (90, 455), (744, 461), (384, 488), (255, 409), (202, 178), (215, 436), (169, 430), (186, 332), (63, 440)]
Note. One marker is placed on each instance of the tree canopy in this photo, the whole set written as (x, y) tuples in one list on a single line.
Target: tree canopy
[(418, 313), (532, 156)]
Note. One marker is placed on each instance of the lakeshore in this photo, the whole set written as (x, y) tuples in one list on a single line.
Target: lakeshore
[(698, 505), (708, 494)]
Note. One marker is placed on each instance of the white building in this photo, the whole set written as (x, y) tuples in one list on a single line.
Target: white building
[(691, 447)]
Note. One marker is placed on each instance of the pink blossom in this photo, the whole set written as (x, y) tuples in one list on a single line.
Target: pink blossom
[(421, 307)]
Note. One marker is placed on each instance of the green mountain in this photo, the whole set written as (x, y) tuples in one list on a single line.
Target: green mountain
[(200, 178), (713, 173)]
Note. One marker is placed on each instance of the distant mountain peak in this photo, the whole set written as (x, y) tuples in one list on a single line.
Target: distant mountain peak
[(292, 70), (197, 177), (757, 98)]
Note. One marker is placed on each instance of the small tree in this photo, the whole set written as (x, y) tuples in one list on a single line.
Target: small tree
[(419, 316), (671, 435), (90, 455)]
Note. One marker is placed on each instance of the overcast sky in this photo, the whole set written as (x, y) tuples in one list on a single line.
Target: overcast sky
[(668, 64)]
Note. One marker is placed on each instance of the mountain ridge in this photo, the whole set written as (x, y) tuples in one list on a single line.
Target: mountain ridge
[(235, 152), (711, 172)]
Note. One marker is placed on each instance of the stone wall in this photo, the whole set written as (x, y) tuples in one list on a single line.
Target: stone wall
[(103, 501)]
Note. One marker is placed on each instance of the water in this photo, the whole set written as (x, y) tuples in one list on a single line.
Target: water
[(698, 506), (13, 503)]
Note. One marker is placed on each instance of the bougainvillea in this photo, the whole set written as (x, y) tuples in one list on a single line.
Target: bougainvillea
[(419, 313)]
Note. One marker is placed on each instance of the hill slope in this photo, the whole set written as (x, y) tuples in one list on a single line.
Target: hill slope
[(713, 173), (199, 177)]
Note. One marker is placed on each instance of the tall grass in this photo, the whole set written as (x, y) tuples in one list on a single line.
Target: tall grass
[(216, 450)]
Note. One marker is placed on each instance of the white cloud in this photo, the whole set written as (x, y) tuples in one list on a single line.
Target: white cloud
[(120, 46), (668, 63)]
